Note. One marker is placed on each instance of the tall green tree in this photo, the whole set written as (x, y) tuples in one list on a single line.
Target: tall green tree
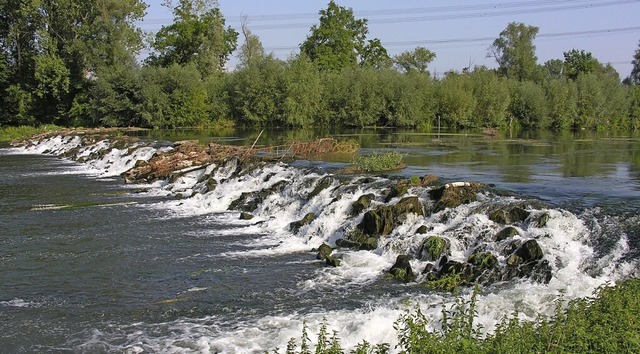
[(53, 50), (515, 52), (340, 41), (197, 36), (251, 50), (415, 60), (579, 62)]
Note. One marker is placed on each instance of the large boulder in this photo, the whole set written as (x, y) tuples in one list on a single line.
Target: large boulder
[(452, 195), (384, 219)]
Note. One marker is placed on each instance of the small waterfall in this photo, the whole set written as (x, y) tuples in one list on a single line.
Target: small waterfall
[(520, 249)]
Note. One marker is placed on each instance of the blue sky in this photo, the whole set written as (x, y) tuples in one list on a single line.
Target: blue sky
[(459, 32)]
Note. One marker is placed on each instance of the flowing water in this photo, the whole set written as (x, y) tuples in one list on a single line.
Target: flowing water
[(90, 264)]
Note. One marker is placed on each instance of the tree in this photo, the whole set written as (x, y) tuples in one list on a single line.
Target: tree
[(196, 36), (374, 55), (340, 41), (579, 62), (53, 49), (515, 53), (415, 60), (553, 69), (634, 77), (251, 50)]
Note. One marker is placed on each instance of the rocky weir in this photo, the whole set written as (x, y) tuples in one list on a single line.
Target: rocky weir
[(440, 233)]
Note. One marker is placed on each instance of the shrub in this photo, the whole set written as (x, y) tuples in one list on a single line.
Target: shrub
[(379, 162)]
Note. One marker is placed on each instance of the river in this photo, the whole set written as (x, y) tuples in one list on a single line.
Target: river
[(90, 264)]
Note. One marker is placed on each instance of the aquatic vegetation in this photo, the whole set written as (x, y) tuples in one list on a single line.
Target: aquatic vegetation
[(385, 161)]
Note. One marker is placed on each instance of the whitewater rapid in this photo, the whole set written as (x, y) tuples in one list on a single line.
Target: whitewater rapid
[(570, 242)]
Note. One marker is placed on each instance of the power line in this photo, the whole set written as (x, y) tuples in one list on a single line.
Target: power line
[(607, 31), (461, 16)]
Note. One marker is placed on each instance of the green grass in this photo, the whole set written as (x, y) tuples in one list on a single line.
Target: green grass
[(379, 162), (607, 322), (23, 132)]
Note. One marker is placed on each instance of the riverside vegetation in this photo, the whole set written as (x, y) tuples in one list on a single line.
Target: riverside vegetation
[(75, 64), (604, 323)]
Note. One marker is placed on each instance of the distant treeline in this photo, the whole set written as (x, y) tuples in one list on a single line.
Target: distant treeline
[(75, 65)]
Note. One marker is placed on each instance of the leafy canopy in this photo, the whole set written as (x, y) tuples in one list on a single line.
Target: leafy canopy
[(340, 41), (514, 51), (196, 36)]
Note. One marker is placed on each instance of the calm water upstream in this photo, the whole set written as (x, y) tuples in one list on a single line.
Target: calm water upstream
[(89, 264)]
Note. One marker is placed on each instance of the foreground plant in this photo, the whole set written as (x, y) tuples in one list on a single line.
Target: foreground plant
[(605, 323)]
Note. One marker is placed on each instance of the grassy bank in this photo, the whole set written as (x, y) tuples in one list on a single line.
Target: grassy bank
[(608, 322), (23, 132)]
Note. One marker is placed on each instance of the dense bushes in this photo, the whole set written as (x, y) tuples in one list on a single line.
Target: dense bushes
[(294, 93)]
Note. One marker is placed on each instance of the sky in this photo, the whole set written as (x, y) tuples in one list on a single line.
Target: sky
[(459, 32)]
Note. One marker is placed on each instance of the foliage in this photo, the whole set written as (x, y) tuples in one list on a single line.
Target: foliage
[(634, 77), (51, 51), (528, 105), (379, 161), (415, 60), (579, 62), (23, 132), (456, 102), (196, 36), (340, 42), (515, 52)]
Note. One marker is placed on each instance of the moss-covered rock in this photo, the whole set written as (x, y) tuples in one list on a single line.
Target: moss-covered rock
[(322, 184), (363, 202), (212, 183), (384, 219), (541, 220), (347, 243), (324, 251), (402, 270), (452, 195), (434, 247), (507, 232), (398, 190), (509, 215), (296, 225), (530, 251), (422, 230)]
